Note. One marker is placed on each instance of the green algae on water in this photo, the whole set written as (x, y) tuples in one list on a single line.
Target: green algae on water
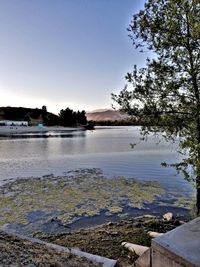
[(81, 193)]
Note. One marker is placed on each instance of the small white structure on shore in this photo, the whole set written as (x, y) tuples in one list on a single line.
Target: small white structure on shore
[(13, 123)]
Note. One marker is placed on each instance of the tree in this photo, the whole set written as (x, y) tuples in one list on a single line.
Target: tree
[(44, 114), (167, 91), (67, 117), (81, 117), (35, 113)]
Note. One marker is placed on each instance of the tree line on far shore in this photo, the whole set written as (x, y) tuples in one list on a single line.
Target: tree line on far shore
[(66, 117)]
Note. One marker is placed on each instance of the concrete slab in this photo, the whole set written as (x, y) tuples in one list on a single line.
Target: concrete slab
[(144, 260), (179, 247)]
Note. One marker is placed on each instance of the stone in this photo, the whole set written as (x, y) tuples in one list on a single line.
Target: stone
[(110, 223), (137, 249), (168, 216), (154, 234), (181, 222), (114, 233)]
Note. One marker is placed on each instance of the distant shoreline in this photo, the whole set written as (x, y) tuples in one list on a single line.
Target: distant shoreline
[(9, 130)]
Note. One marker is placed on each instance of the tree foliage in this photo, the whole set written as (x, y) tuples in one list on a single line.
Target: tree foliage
[(68, 117), (166, 92)]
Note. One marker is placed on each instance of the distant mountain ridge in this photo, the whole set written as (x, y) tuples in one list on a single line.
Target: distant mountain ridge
[(106, 115)]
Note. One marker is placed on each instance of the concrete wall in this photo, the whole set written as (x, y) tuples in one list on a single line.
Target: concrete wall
[(179, 247)]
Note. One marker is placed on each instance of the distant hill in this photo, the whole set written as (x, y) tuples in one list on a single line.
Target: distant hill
[(36, 115), (106, 115), (33, 116)]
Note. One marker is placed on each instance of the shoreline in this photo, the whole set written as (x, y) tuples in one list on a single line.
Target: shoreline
[(13, 130), (81, 199), (105, 240)]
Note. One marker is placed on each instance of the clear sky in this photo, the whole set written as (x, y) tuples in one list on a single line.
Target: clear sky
[(62, 53)]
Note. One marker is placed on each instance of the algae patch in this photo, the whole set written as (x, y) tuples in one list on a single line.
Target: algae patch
[(78, 194)]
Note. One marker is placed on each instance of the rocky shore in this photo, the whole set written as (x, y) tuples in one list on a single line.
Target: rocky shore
[(104, 240)]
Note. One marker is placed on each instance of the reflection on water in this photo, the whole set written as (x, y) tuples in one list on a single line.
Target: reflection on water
[(105, 148)]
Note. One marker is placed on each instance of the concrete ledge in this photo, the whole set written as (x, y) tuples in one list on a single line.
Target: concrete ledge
[(144, 260), (179, 247)]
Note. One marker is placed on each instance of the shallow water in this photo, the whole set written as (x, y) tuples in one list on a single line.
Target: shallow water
[(82, 198)]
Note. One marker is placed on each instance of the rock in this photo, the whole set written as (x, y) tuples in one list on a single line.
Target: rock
[(137, 249), (110, 223), (168, 216), (149, 216), (114, 233), (137, 224), (154, 234)]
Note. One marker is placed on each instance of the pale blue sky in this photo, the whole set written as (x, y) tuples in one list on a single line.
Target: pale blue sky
[(64, 53)]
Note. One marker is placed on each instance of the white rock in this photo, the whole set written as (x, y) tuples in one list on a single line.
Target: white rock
[(168, 216), (154, 234), (182, 222), (139, 250)]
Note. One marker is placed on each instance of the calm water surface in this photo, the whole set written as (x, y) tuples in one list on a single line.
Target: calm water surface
[(106, 148)]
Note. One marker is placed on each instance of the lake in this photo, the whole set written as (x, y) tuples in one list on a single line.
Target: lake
[(84, 178), (107, 148)]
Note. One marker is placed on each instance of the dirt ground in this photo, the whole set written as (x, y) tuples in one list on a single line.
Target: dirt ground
[(17, 253), (105, 240)]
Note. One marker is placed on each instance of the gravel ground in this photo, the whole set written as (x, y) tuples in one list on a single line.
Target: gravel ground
[(15, 252)]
